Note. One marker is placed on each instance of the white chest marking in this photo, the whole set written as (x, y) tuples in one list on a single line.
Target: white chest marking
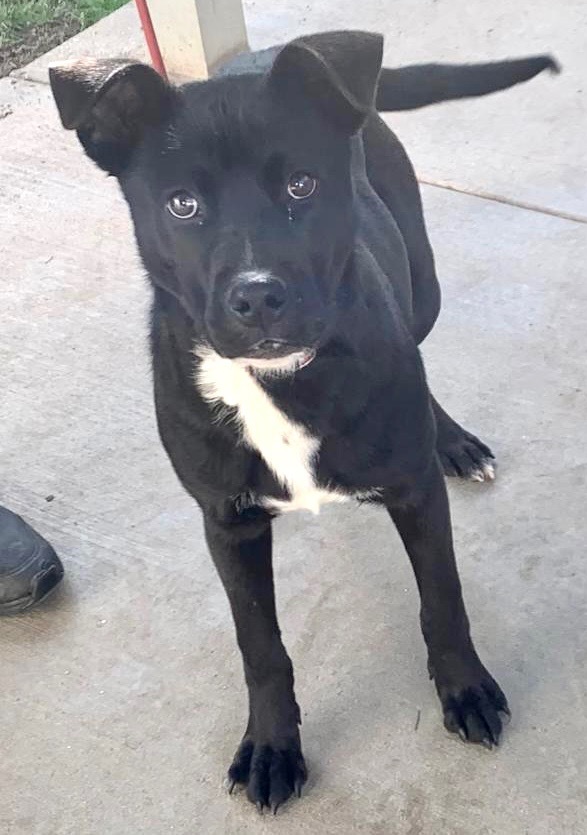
[(286, 447)]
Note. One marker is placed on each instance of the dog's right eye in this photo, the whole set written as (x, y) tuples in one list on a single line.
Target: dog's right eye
[(183, 205)]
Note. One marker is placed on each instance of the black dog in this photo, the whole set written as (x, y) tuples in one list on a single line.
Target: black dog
[(280, 223)]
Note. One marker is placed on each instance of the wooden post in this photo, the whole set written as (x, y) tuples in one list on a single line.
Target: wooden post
[(195, 36)]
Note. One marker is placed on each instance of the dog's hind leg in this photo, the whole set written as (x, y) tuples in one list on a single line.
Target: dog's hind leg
[(391, 174), (461, 453)]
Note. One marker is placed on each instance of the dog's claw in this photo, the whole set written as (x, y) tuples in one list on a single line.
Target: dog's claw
[(230, 786), (270, 774), (488, 471), (473, 710)]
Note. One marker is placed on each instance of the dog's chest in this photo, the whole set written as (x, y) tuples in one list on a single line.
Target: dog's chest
[(287, 448)]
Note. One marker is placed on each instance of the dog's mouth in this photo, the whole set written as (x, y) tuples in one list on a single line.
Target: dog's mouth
[(277, 356)]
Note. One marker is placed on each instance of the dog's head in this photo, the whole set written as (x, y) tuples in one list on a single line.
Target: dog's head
[(239, 187)]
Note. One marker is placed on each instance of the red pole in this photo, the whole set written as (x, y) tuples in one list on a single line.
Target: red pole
[(150, 37)]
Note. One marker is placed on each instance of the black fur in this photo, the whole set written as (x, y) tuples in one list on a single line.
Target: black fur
[(359, 287)]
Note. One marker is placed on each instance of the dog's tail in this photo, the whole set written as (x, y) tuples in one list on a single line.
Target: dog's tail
[(407, 88)]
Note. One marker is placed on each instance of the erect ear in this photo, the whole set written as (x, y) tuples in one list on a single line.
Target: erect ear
[(109, 104), (337, 70)]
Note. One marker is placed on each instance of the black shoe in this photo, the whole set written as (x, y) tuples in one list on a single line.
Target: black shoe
[(29, 567)]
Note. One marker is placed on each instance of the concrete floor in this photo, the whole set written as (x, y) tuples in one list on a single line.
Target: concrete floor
[(121, 701)]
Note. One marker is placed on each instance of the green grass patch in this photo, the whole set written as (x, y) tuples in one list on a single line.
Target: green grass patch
[(17, 17)]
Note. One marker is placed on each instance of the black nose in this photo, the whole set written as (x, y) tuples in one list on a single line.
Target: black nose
[(257, 300)]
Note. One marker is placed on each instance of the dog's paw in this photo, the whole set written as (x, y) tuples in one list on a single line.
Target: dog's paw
[(476, 710), (465, 456), (271, 774)]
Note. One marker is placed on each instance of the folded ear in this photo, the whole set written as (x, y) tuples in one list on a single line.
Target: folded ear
[(109, 104), (338, 70)]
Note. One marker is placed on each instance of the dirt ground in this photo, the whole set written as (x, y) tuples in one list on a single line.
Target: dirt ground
[(35, 41), (29, 28)]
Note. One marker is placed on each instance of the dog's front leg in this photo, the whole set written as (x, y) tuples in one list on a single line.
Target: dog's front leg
[(471, 700), (269, 759)]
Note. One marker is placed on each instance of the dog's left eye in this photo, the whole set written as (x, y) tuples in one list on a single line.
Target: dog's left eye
[(301, 185), (183, 205)]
